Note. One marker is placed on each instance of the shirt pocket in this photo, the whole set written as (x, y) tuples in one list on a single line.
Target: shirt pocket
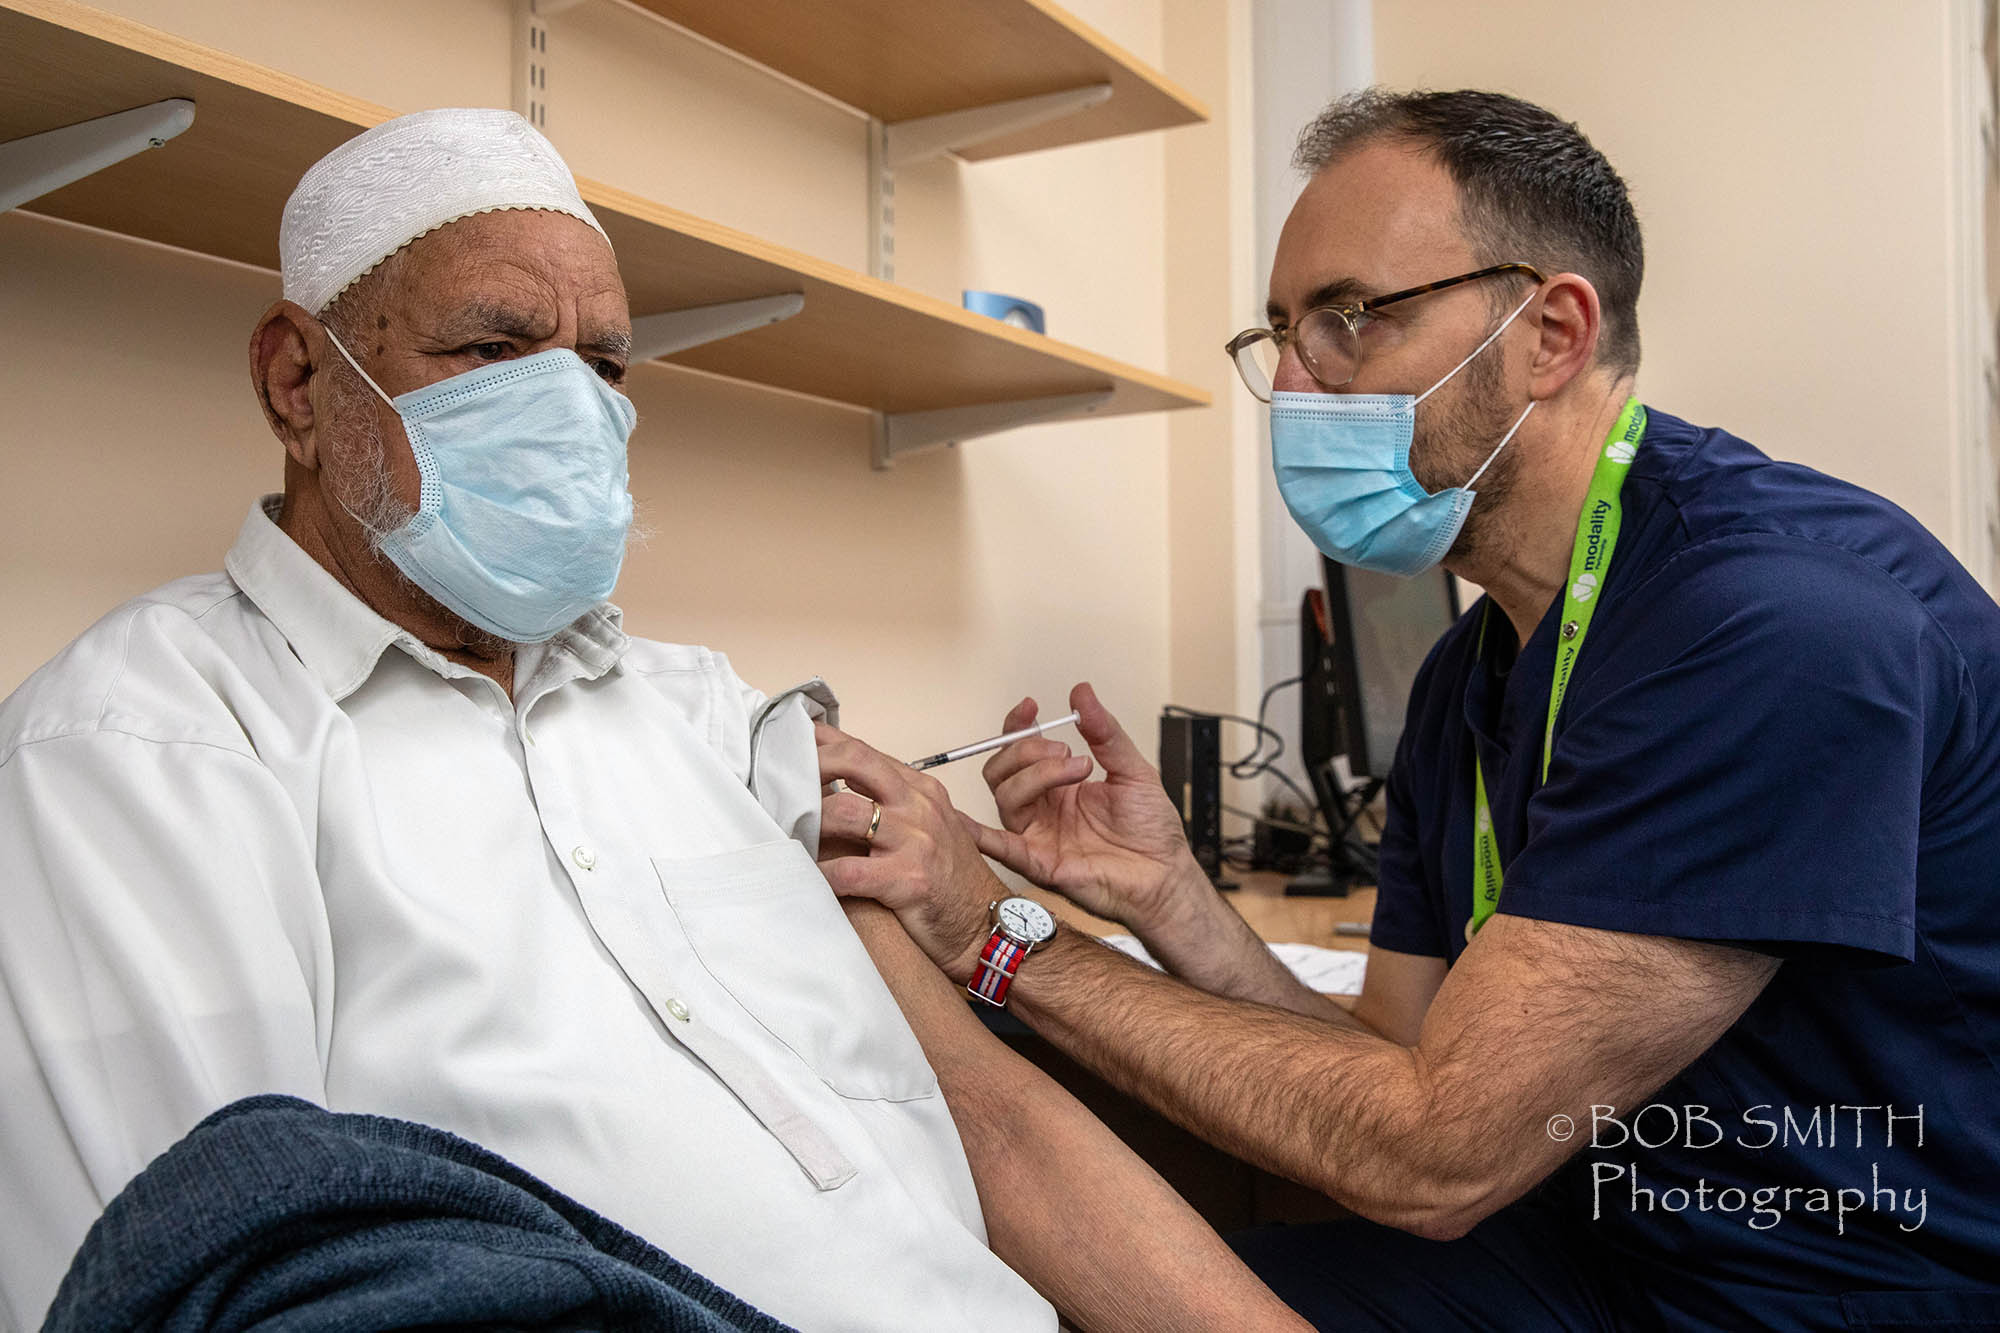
[(764, 924)]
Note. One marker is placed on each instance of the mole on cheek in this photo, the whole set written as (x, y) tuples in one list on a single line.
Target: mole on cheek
[(381, 321)]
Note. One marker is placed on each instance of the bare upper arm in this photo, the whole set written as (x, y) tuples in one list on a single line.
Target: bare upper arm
[(1397, 991), (1539, 1018), (936, 1010), (1066, 1203)]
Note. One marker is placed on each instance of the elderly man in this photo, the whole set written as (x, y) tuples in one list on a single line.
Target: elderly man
[(393, 816), (1692, 833)]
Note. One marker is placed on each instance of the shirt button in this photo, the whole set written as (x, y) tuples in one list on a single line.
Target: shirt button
[(585, 858), (678, 1010)]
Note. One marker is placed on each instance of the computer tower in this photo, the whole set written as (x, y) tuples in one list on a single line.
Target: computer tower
[(1191, 770)]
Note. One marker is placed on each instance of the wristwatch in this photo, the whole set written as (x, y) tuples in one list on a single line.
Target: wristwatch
[(1019, 924)]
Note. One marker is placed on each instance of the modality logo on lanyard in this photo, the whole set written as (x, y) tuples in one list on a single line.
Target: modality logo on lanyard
[(1589, 562)]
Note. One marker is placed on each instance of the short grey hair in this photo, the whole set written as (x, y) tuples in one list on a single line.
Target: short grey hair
[(1531, 188)]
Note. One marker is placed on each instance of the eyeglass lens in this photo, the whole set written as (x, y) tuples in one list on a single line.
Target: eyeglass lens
[(1325, 343)]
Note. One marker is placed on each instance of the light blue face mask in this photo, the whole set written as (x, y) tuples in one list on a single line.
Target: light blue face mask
[(1343, 465), (521, 524)]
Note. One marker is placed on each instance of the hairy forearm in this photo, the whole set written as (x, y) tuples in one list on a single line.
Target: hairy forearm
[(1321, 1100), (1200, 938)]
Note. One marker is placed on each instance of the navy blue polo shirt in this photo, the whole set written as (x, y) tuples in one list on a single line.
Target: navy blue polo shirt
[(1783, 732)]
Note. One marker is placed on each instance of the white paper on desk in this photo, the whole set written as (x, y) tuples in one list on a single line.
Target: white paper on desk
[(1328, 971)]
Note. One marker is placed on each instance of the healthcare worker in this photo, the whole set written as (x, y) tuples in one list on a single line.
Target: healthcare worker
[(1683, 1002)]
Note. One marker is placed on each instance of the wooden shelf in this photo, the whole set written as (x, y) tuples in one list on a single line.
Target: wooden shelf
[(220, 188), (906, 59)]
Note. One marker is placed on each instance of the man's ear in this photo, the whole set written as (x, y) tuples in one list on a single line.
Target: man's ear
[(282, 367), (1571, 324)]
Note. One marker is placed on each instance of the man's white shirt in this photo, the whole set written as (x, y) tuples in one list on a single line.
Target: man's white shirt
[(256, 838)]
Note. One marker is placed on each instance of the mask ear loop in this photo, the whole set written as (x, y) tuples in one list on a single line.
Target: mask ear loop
[(1468, 361), (366, 378), (1498, 447), (369, 380), (1441, 383)]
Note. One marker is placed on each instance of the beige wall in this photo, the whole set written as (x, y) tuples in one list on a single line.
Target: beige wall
[(1791, 172), (932, 596), (1789, 160)]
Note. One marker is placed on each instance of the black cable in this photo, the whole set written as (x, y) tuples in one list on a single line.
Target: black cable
[(1175, 710), (1273, 822), (1277, 738), (1338, 846), (1256, 763), (1311, 805)]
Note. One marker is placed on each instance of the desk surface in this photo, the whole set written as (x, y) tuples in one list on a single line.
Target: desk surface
[(1261, 901)]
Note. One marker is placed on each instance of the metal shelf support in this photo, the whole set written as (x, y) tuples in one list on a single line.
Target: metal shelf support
[(928, 136), (903, 142), (31, 167), (901, 433), (677, 330), (531, 57)]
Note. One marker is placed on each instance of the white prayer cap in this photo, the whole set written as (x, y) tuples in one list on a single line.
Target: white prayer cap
[(382, 189)]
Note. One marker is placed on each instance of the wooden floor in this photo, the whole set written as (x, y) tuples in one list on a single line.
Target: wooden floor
[(1261, 901)]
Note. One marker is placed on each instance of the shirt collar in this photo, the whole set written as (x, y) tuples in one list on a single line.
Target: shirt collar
[(340, 638)]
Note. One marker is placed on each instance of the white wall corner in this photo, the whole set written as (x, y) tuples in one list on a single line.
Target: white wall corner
[(1246, 431), (1973, 377), (1305, 53)]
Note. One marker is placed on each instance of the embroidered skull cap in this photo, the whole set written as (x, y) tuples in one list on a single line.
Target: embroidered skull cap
[(387, 186)]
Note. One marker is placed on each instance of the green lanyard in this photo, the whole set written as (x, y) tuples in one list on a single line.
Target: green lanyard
[(1589, 559)]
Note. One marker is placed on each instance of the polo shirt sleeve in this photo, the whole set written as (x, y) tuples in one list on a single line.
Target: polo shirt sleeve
[(162, 953), (1742, 757)]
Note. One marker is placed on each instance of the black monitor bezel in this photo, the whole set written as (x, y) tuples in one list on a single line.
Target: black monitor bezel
[(1350, 726)]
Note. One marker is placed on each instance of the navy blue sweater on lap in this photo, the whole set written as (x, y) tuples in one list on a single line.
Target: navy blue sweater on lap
[(277, 1215)]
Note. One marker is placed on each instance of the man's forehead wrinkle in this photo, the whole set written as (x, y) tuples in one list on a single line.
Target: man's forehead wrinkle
[(501, 315), (514, 276)]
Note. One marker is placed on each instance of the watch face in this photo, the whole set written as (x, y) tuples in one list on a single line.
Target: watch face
[(1026, 920)]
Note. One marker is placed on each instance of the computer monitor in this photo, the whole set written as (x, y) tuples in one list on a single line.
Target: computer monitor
[(1379, 630), (1362, 638)]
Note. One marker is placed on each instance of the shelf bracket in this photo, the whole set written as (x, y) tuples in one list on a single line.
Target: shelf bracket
[(901, 433), (531, 57), (881, 204), (677, 330), (39, 163), (907, 141), (927, 136)]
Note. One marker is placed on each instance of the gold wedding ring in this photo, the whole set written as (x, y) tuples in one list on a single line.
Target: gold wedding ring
[(874, 823)]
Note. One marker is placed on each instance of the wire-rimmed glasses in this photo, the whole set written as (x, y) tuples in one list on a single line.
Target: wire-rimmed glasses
[(1328, 337)]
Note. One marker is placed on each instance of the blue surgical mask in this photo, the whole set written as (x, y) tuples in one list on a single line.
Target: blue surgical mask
[(521, 525), (1343, 465)]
